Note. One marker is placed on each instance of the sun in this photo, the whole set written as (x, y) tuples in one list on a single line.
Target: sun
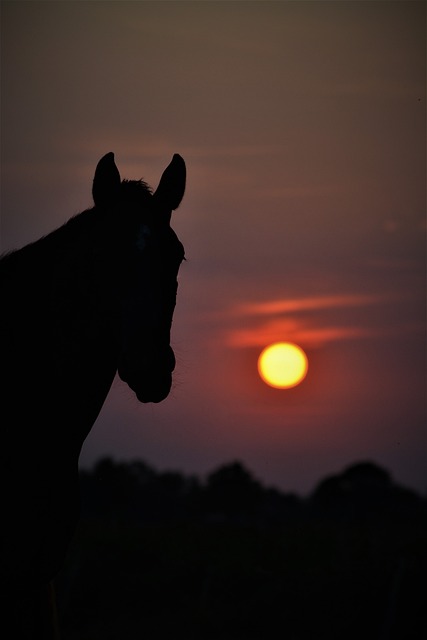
[(282, 365)]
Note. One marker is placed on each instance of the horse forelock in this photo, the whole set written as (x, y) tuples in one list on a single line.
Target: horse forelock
[(134, 190)]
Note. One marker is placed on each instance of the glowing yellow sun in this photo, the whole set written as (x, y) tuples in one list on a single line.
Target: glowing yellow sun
[(282, 365)]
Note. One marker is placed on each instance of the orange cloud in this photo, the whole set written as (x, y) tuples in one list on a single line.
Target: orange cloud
[(296, 332), (273, 307), (264, 321)]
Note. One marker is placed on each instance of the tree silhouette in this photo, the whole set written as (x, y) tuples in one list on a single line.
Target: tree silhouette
[(162, 554), (364, 491), (232, 492)]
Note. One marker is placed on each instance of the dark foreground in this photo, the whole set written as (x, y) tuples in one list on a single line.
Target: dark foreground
[(163, 556)]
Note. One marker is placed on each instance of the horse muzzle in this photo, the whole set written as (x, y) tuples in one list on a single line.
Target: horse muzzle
[(151, 378)]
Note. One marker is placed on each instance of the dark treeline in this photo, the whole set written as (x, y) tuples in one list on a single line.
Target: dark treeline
[(136, 492), (164, 555)]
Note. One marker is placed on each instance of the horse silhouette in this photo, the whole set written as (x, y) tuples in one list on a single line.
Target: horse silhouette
[(92, 298)]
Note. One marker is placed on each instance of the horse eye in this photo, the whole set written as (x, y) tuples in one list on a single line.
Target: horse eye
[(143, 237)]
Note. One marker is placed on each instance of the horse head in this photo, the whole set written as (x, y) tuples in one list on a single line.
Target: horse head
[(145, 272)]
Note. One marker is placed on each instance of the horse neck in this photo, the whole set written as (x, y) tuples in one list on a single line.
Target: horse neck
[(66, 265), (60, 320)]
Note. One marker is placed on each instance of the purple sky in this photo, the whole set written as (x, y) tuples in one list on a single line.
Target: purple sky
[(303, 126)]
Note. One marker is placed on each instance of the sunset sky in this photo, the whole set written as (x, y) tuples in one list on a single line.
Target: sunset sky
[(303, 126)]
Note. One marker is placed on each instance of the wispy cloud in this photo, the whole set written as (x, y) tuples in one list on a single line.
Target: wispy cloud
[(313, 303), (298, 320)]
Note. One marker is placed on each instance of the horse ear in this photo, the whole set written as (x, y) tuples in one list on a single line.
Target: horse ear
[(106, 182), (170, 191)]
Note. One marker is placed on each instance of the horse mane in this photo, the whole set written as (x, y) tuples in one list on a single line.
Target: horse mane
[(81, 225)]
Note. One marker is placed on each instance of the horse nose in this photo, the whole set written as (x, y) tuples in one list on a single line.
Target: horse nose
[(150, 379), (148, 368)]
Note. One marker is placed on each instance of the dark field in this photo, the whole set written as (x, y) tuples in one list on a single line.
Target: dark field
[(163, 556)]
